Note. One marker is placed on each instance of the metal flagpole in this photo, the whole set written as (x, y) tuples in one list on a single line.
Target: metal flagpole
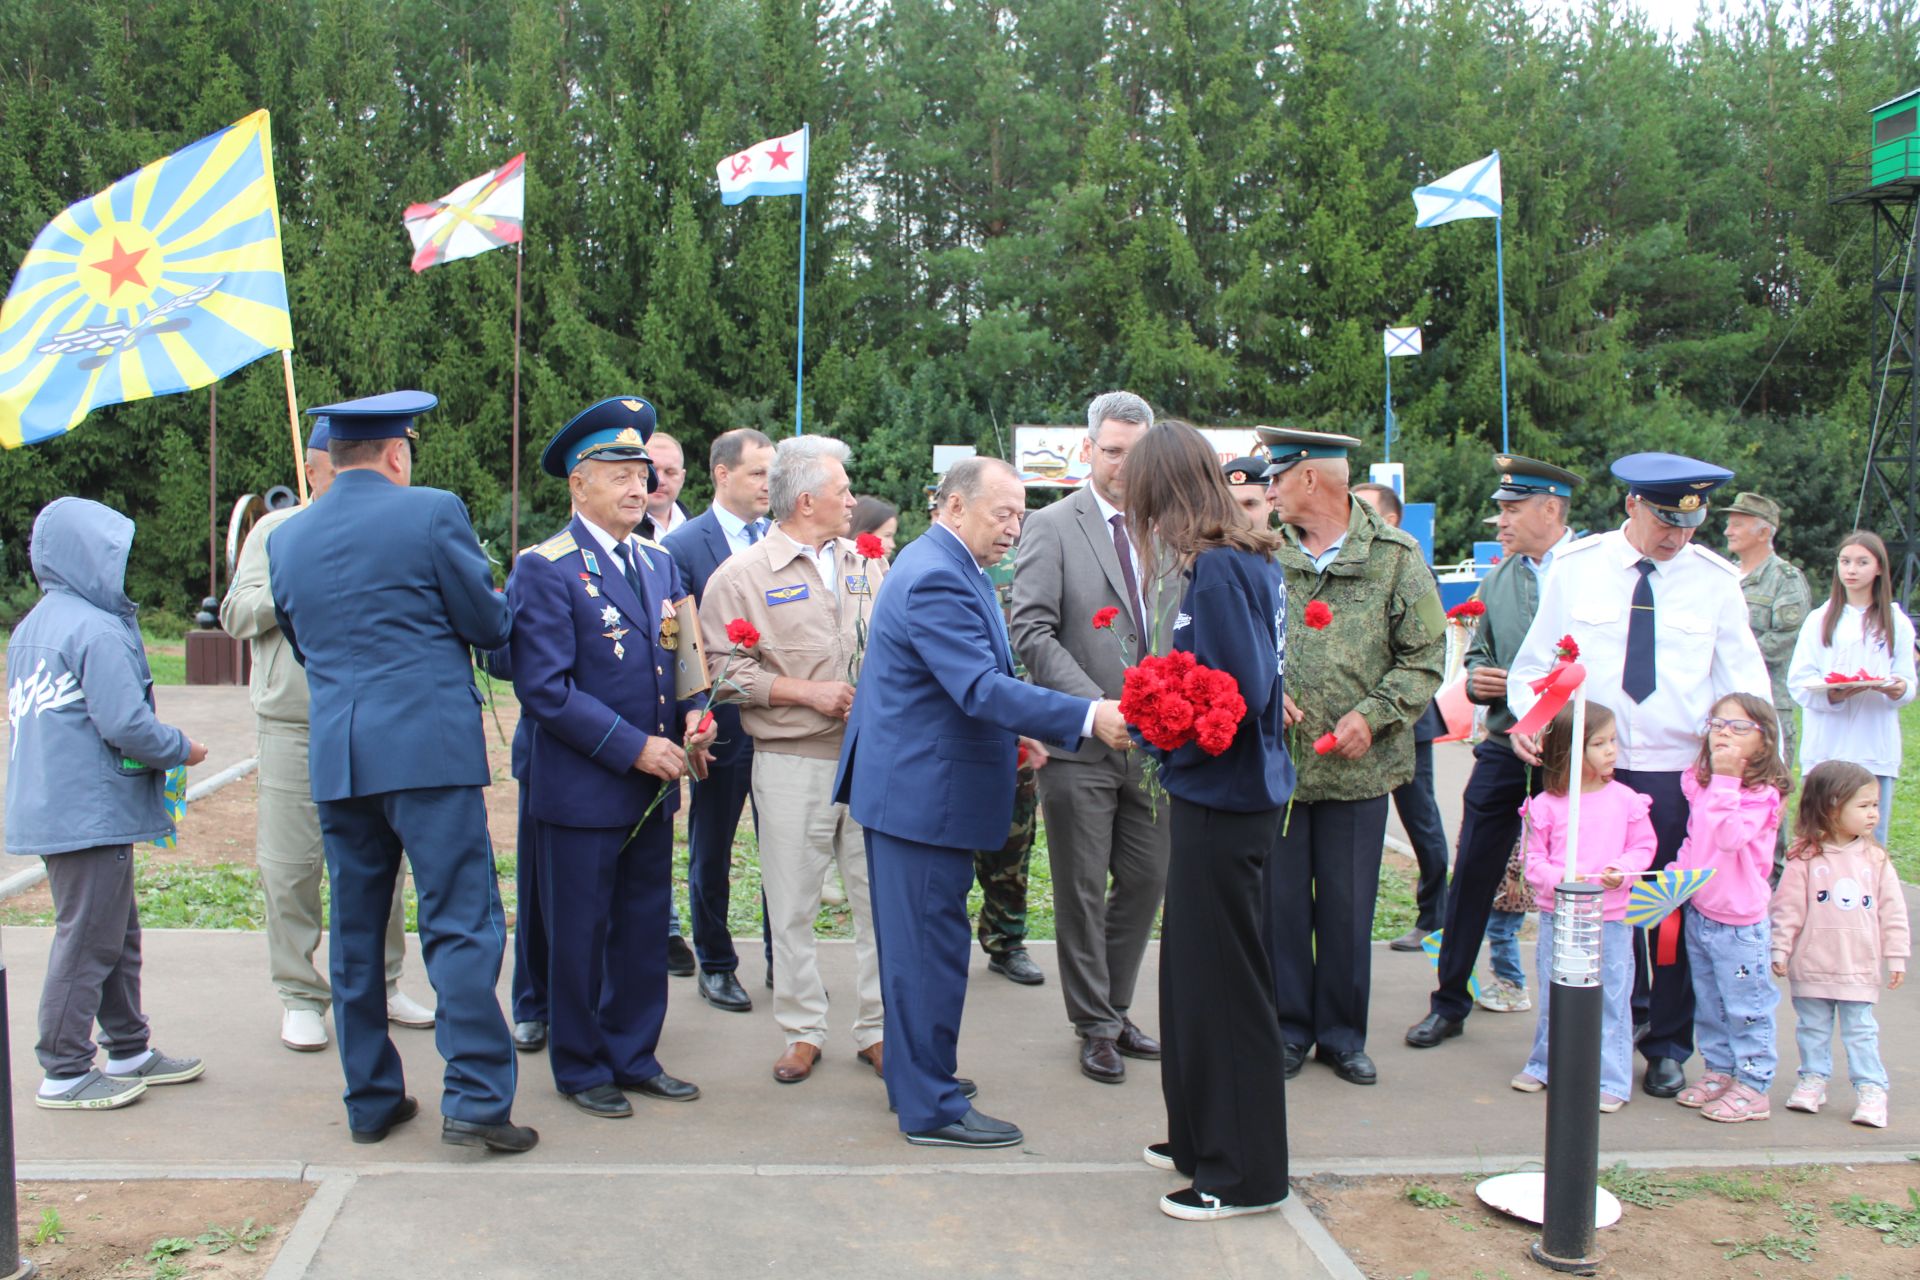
[(1500, 287), (513, 515), (293, 427), (800, 341), (1388, 357)]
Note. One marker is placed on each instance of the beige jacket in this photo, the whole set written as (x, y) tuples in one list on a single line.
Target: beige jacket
[(806, 632), (278, 686)]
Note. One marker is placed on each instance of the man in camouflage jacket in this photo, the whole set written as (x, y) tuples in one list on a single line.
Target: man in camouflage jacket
[(1361, 671)]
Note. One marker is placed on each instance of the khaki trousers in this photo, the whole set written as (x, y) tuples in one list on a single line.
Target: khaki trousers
[(802, 832), (291, 860)]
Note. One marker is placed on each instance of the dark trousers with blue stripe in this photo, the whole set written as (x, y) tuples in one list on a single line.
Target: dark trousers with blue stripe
[(605, 898), (920, 923), (462, 937), (1489, 825), (713, 815), (1662, 993), (529, 926)]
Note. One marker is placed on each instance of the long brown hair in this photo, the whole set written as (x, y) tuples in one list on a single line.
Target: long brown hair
[(1178, 503), (1556, 746), (1879, 619), (1765, 769), (1827, 787)]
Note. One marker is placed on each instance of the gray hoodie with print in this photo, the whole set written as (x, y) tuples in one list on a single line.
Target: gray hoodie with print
[(87, 757)]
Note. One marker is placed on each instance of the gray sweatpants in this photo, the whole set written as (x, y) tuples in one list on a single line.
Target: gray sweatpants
[(93, 971)]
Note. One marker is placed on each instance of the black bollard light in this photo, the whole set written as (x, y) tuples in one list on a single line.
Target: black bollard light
[(9, 1192), (1573, 1092)]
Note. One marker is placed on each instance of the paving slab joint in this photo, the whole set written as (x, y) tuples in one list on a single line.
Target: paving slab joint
[(310, 1229)]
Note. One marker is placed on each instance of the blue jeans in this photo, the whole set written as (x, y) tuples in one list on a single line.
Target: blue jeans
[(1733, 998), (1503, 934), (1616, 1020), (1858, 1031), (1886, 812)]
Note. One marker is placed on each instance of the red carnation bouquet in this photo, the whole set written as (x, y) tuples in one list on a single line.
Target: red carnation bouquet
[(1173, 700), (741, 635), (1467, 612)]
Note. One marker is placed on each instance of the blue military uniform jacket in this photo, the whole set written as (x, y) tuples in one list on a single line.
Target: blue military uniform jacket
[(592, 675), (699, 547), (393, 705)]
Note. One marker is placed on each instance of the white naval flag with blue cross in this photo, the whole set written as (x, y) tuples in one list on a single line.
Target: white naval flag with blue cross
[(1472, 191)]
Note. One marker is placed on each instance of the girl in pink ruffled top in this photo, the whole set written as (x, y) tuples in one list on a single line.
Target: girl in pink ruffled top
[(1735, 790), (1838, 917), (1617, 837)]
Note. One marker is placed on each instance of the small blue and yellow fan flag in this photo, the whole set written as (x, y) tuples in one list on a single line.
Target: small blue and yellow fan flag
[(1430, 945), (176, 802), (1650, 900), (168, 280)]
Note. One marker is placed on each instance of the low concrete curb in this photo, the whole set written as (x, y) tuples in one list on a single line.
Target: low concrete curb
[(21, 881), (303, 1242)]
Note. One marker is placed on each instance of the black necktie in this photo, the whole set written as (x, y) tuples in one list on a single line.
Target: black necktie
[(1124, 549), (631, 574), (1637, 680)]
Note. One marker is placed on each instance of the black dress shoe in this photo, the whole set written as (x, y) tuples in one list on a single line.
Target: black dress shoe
[(1432, 1029), (971, 1130), (602, 1100), (407, 1110), (680, 961), (508, 1138), (664, 1087), (1100, 1060), (529, 1037), (1354, 1066), (1294, 1057), (723, 991), (1664, 1078), (1132, 1042), (1410, 940), (1017, 966)]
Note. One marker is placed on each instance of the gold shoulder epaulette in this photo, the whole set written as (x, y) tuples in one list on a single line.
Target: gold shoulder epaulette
[(558, 545), (649, 542)]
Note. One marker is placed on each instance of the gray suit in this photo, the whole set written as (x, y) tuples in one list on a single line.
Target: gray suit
[(1098, 820)]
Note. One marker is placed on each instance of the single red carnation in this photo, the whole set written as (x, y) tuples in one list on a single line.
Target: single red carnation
[(869, 546), (1103, 618), (1467, 609), (742, 633), (1317, 614), (1325, 743), (1566, 649), (1020, 756), (706, 723)]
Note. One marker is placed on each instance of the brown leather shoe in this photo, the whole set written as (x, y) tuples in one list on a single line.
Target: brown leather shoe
[(1100, 1060), (1135, 1043), (872, 1055), (796, 1064)]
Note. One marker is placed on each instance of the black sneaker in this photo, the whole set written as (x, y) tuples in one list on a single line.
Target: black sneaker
[(1198, 1206), (1159, 1155)]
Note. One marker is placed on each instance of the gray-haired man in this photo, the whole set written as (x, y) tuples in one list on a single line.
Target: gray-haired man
[(1075, 559)]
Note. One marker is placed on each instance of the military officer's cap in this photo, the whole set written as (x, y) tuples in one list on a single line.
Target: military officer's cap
[(1752, 504), (317, 438), (1525, 477), (383, 417), (614, 430), (1675, 488), (1246, 471), (1288, 447)]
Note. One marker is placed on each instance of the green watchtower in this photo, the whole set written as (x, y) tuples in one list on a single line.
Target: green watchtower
[(1896, 140)]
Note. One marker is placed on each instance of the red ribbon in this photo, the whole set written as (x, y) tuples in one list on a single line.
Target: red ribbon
[(1556, 690), (1669, 941)]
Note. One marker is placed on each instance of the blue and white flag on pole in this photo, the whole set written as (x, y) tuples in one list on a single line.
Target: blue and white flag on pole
[(1403, 342), (776, 167), (1469, 192)]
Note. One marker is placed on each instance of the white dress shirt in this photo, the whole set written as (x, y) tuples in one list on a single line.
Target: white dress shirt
[(1107, 512), (1703, 646), (735, 529), (1866, 727), (1545, 562), (608, 542), (676, 516)]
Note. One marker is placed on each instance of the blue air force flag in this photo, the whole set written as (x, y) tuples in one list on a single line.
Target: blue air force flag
[(776, 167), (1469, 192)]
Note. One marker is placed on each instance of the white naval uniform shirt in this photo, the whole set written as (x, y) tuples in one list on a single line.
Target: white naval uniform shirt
[(1703, 646)]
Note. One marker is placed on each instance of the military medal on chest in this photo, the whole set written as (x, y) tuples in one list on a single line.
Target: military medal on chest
[(610, 617), (669, 627), (593, 592)]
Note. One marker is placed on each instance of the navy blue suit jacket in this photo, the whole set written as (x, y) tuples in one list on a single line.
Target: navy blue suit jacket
[(930, 747), (591, 676), (381, 588), (699, 547)]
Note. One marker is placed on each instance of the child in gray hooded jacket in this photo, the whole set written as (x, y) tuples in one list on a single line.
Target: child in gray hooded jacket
[(85, 781)]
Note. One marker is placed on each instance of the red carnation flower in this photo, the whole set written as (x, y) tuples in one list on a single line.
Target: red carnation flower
[(1467, 609), (1566, 649), (1317, 614), (1020, 756), (870, 547), (706, 723), (742, 633), (1325, 743), (1103, 618)]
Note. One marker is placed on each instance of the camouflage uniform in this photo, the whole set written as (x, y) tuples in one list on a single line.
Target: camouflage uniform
[(1778, 601), (1002, 872)]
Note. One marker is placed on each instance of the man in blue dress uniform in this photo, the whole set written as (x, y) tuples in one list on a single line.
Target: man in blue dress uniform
[(381, 589), (592, 654)]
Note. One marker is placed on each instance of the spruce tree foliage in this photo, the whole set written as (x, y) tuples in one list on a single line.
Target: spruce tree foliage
[(1014, 204)]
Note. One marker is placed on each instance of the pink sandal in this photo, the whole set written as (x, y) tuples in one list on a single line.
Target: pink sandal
[(1706, 1089), (1738, 1105)]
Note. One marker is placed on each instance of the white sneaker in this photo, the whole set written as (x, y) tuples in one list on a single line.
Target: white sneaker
[(1497, 995), (1870, 1106), (403, 1010), (303, 1031), (1809, 1094)]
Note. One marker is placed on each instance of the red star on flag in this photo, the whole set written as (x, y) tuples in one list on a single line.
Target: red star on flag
[(121, 268), (779, 156)]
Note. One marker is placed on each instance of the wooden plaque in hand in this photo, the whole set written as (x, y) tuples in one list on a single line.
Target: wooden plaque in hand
[(690, 657)]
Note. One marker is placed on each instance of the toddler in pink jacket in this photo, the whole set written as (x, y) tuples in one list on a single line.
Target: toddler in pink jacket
[(1838, 916)]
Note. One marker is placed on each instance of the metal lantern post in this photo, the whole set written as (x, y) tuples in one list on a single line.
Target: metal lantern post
[(1573, 1064), (19, 1267)]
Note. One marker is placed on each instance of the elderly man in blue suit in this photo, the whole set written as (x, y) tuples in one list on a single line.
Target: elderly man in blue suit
[(742, 462), (928, 768), (381, 589), (592, 654)]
